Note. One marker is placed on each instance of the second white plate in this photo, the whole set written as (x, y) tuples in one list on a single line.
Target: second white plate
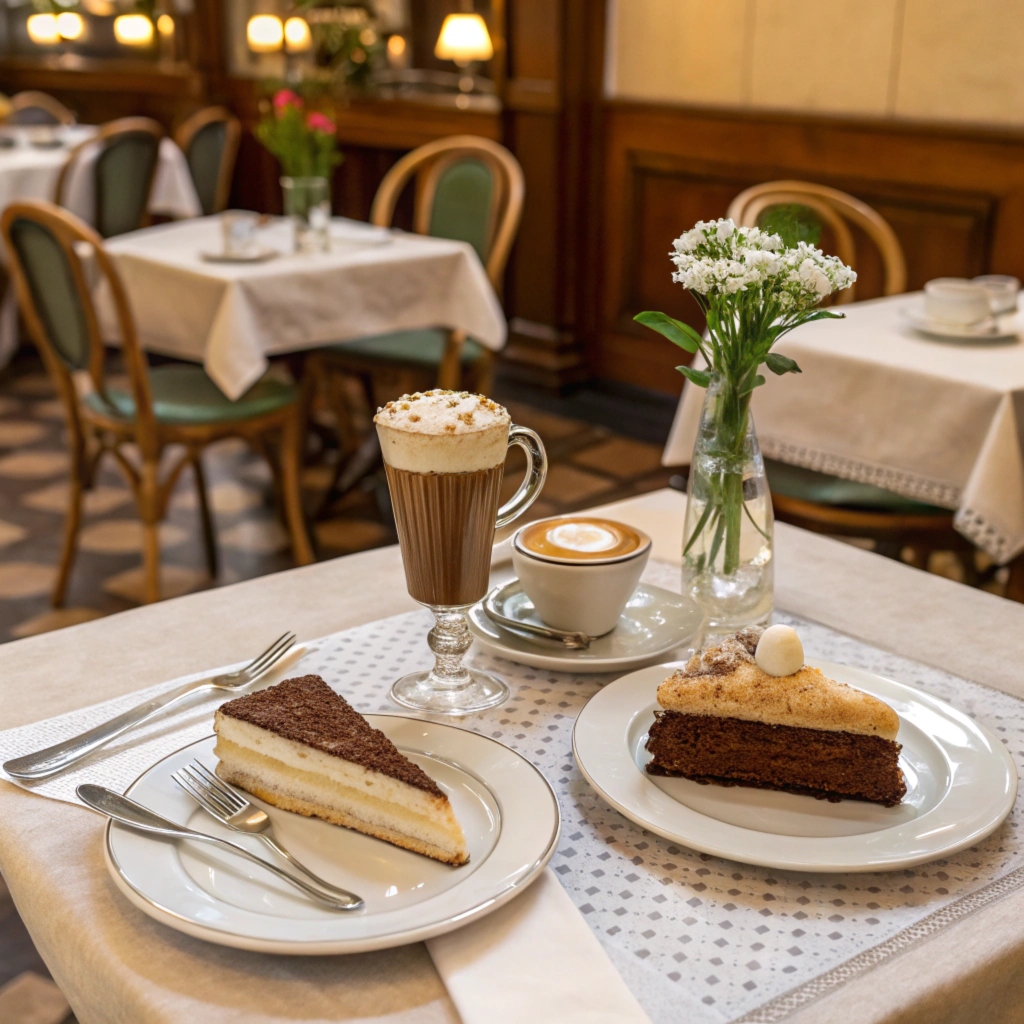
[(961, 785)]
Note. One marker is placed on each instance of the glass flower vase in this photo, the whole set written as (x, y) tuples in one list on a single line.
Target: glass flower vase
[(729, 526), (307, 201)]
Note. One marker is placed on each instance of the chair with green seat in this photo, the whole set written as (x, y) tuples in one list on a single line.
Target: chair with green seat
[(470, 189), (129, 150), (173, 405), (209, 139)]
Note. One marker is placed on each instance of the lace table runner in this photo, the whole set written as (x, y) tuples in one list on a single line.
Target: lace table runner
[(695, 937)]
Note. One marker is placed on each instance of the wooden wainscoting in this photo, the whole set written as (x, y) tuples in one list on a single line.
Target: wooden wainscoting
[(954, 196)]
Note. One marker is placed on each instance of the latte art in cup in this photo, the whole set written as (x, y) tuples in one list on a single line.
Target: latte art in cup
[(579, 538)]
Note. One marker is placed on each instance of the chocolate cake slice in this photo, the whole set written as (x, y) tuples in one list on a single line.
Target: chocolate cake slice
[(302, 747), (726, 720)]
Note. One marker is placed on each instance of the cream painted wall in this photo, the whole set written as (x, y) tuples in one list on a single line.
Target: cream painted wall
[(937, 60)]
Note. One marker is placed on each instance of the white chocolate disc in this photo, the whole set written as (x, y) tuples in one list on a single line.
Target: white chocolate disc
[(779, 651)]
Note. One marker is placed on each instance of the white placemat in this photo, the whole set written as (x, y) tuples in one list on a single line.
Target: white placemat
[(694, 937)]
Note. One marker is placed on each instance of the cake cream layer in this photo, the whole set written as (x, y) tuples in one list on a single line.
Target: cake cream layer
[(443, 432), (724, 681), (300, 778)]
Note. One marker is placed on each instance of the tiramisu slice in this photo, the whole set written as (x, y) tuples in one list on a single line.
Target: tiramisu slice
[(748, 712), (302, 747)]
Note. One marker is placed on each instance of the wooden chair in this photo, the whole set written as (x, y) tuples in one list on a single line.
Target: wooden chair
[(129, 150), (161, 409), (38, 108), (818, 501), (836, 210), (209, 139)]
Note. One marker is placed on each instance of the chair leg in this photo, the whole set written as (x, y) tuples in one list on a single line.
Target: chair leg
[(149, 512), (209, 535), (71, 526), (1015, 584), (290, 458), (449, 373)]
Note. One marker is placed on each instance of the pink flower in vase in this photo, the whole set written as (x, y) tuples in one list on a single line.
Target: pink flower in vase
[(285, 98), (317, 122)]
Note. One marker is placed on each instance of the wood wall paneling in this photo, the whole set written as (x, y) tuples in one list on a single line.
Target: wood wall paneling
[(954, 197)]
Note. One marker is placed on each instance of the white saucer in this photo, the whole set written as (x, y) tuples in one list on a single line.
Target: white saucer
[(260, 255), (654, 623), (997, 328), (961, 785), (507, 810)]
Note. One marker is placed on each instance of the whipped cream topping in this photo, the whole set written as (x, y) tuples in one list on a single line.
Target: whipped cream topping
[(443, 432), (779, 651)]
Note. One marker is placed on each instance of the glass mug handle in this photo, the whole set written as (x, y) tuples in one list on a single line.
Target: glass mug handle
[(536, 474)]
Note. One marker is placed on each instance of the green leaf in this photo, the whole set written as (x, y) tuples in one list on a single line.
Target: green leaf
[(676, 331), (702, 378), (780, 364), (755, 383)]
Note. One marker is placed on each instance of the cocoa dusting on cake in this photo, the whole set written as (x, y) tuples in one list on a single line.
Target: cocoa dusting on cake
[(306, 710)]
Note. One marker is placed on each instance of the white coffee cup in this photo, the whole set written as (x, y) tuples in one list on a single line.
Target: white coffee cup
[(1001, 290), (957, 301), (580, 595)]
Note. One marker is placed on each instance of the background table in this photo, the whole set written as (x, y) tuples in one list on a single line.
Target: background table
[(116, 964), (936, 420), (232, 316)]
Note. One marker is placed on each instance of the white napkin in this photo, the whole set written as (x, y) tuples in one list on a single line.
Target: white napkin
[(533, 961)]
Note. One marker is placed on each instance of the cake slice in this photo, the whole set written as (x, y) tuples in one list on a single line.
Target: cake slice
[(302, 747), (726, 720)]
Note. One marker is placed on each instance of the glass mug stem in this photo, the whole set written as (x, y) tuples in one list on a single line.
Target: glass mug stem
[(450, 687)]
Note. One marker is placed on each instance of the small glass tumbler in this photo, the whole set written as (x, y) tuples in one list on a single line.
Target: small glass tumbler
[(446, 524), (238, 229)]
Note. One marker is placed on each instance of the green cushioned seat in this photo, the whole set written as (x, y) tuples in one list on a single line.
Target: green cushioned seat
[(185, 395), (823, 489), (419, 348)]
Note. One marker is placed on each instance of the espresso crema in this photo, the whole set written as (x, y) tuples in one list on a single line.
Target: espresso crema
[(444, 452), (579, 538)]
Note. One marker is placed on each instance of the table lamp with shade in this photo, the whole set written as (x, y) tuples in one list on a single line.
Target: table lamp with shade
[(465, 40)]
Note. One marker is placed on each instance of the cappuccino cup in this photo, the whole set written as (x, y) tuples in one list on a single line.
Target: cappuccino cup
[(580, 571), (956, 301)]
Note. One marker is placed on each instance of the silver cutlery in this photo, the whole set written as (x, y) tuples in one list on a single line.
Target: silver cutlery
[(55, 759), (134, 815), (574, 641), (223, 802)]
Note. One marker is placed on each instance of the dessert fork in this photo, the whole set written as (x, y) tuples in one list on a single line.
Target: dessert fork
[(52, 760), (223, 802)]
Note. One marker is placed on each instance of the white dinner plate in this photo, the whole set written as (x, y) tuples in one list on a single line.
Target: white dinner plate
[(507, 810), (997, 328), (260, 255), (961, 785), (654, 623)]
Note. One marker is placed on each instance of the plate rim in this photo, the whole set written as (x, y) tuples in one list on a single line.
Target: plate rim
[(780, 863), (337, 947), (566, 661), (936, 329)]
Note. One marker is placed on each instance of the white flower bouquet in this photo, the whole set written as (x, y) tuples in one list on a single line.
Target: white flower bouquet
[(753, 289)]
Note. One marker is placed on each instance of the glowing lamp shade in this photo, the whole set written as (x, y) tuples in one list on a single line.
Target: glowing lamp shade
[(297, 37), (464, 38), (42, 29), (70, 25), (264, 33), (133, 30), (165, 25)]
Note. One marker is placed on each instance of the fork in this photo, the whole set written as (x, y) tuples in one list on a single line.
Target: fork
[(52, 760), (223, 802)]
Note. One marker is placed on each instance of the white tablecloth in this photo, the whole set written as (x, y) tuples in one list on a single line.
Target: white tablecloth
[(232, 316), (939, 421)]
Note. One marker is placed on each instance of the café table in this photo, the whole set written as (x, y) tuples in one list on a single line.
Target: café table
[(232, 317), (938, 420), (113, 963)]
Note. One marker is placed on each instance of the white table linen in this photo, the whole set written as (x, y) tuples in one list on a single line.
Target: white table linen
[(936, 420), (232, 317)]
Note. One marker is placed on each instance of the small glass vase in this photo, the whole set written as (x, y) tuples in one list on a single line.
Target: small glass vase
[(729, 526), (307, 201)]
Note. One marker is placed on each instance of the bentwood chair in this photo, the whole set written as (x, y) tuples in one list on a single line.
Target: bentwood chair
[(466, 188), (38, 108), (209, 139), (819, 501), (174, 410), (129, 150)]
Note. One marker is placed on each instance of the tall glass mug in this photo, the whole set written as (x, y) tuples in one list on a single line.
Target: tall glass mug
[(444, 453)]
